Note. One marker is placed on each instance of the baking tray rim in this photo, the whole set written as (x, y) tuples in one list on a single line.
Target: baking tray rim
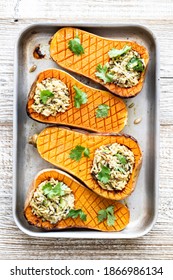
[(88, 234)]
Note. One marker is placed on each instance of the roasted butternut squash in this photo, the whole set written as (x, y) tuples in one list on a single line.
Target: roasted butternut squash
[(95, 53), (55, 144), (86, 200), (84, 117)]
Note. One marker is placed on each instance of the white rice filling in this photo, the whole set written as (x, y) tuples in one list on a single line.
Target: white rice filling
[(55, 208), (118, 67), (56, 104), (119, 172)]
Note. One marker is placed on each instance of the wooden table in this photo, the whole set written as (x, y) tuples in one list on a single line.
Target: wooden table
[(156, 15)]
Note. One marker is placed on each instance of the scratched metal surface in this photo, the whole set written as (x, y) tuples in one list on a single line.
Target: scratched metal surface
[(143, 203)]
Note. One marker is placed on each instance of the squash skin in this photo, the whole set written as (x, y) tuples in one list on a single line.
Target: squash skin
[(84, 117), (96, 52), (85, 199), (55, 143)]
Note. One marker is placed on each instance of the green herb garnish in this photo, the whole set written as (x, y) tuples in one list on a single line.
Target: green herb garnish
[(45, 95), (103, 74), (86, 152), (104, 175), (114, 53), (102, 111), (135, 64), (108, 214), (122, 159), (47, 188), (120, 169), (51, 191), (77, 152), (80, 97), (75, 46), (74, 213)]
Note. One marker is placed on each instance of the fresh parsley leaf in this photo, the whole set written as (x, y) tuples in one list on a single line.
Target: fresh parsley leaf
[(80, 97), (102, 215), (51, 191), (135, 64), (75, 46), (116, 53), (122, 159), (77, 152), (46, 188), (104, 175), (57, 191), (74, 213), (110, 209), (102, 111), (45, 95), (120, 169), (103, 74), (86, 152), (108, 214)]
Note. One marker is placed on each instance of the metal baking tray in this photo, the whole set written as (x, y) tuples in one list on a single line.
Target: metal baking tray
[(143, 203)]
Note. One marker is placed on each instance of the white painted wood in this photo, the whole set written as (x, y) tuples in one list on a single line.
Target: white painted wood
[(156, 15), (85, 10)]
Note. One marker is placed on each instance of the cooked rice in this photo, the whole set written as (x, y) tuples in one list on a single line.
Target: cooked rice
[(56, 104), (123, 77), (119, 172), (55, 208)]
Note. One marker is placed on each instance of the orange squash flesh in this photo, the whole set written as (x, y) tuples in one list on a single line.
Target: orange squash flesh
[(85, 199), (96, 52), (85, 116), (55, 143)]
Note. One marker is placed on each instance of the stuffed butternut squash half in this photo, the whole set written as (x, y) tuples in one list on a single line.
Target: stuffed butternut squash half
[(120, 66), (56, 201), (58, 98), (108, 164)]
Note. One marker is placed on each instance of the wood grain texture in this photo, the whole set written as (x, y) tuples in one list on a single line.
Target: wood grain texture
[(156, 15)]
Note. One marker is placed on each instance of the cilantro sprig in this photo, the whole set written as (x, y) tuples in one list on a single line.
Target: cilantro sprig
[(120, 169), (108, 215), (104, 174), (52, 191), (78, 151), (135, 64), (45, 95), (75, 46), (103, 74), (80, 97), (74, 213), (122, 159), (114, 53), (102, 111)]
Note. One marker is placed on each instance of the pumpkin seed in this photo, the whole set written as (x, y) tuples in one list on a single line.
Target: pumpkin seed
[(33, 68), (131, 105), (138, 120), (33, 140), (125, 203)]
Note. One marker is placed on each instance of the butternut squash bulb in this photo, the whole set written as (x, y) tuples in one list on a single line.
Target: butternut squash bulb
[(58, 98), (76, 152), (86, 209), (120, 66)]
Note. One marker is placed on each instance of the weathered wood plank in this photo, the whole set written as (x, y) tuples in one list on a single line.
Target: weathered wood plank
[(87, 9)]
